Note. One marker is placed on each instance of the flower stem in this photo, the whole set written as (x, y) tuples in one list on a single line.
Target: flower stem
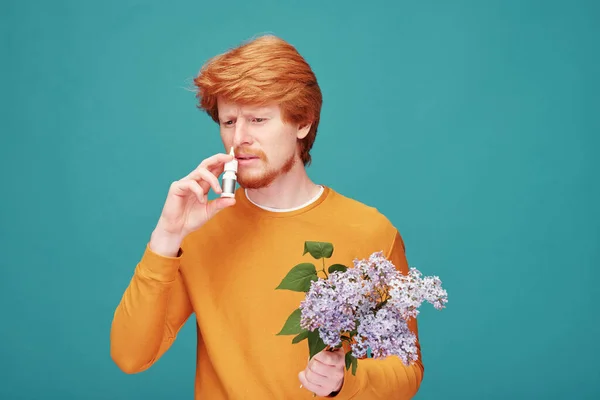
[(326, 276)]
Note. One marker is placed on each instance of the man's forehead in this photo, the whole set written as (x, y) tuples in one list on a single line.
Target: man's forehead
[(226, 107)]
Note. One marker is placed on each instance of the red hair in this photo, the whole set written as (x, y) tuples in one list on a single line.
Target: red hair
[(264, 70)]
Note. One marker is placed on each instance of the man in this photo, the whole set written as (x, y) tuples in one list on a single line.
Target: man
[(222, 259)]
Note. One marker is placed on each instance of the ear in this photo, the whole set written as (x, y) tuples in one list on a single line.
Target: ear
[(303, 131)]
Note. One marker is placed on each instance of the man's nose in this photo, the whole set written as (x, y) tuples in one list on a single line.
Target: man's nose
[(241, 135)]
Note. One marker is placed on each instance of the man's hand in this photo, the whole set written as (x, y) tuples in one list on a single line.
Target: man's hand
[(187, 207), (324, 374)]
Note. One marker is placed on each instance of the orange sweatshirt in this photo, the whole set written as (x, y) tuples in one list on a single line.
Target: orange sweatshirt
[(226, 273)]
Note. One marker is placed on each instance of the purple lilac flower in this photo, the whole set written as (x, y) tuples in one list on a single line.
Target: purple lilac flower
[(375, 299), (378, 270), (332, 305), (408, 292), (387, 333)]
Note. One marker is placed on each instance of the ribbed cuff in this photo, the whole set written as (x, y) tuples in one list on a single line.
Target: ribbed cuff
[(158, 267)]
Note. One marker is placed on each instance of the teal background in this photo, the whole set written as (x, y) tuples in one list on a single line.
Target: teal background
[(473, 125)]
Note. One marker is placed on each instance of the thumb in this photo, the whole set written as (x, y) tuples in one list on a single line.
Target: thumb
[(213, 207)]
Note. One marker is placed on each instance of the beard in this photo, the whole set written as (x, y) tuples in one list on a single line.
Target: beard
[(260, 177)]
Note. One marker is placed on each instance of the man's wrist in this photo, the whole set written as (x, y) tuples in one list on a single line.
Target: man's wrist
[(164, 244)]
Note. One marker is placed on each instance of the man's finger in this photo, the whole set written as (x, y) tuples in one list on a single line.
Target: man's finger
[(330, 357), (318, 373), (319, 368), (216, 205), (182, 187), (306, 384), (217, 170), (206, 179), (215, 160)]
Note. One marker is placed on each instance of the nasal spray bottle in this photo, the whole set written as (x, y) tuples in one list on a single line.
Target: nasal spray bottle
[(230, 177)]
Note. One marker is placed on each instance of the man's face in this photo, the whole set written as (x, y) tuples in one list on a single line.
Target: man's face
[(264, 145)]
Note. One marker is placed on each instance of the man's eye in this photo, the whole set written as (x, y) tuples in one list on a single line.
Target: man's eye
[(228, 123), (258, 119)]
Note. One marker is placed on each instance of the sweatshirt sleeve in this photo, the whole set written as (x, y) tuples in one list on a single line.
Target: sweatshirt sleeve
[(151, 312), (387, 378)]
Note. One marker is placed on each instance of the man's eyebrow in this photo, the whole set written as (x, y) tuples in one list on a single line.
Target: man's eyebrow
[(227, 116)]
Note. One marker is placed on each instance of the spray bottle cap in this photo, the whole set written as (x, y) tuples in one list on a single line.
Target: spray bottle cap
[(233, 164)]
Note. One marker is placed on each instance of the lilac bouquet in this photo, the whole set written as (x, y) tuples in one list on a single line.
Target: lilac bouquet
[(366, 306)]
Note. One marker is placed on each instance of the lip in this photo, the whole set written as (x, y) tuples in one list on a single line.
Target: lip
[(244, 160)]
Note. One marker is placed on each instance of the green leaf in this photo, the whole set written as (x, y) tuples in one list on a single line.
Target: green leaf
[(349, 358), (292, 325), (315, 343), (351, 361), (301, 336), (318, 249), (337, 267), (299, 278)]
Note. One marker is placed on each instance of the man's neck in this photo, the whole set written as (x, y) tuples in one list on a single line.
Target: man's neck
[(287, 191)]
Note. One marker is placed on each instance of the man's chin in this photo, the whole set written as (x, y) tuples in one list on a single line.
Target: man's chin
[(256, 181)]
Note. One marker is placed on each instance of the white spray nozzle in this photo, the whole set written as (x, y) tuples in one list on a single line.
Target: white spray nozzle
[(233, 164), (229, 177)]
